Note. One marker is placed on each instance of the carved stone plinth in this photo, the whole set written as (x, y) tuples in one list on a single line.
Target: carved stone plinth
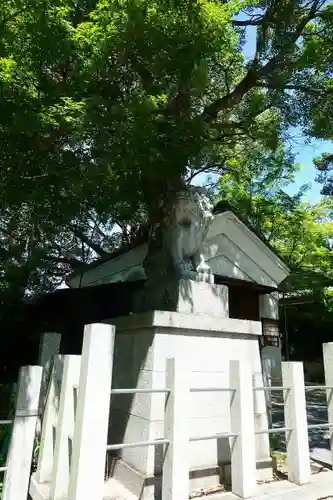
[(184, 296), (205, 344)]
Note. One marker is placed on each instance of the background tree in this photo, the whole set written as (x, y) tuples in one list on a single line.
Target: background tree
[(301, 233), (132, 94), (106, 106)]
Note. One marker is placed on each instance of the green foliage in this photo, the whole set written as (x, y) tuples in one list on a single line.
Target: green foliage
[(107, 105), (276, 443), (35, 256), (127, 95), (300, 232)]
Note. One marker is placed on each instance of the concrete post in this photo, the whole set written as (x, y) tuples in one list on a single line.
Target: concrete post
[(92, 415), (45, 456), (298, 457), (48, 347), (48, 350), (243, 453), (260, 419), (175, 479), (328, 367), (267, 383), (20, 452), (65, 428)]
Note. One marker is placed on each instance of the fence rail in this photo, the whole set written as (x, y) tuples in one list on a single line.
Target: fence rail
[(139, 444), (271, 388), (215, 436), (274, 430), (79, 424), (139, 391), (212, 389), (318, 387), (326, 425)]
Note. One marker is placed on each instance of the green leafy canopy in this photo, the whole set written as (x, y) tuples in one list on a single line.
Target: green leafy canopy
[(105, 106)]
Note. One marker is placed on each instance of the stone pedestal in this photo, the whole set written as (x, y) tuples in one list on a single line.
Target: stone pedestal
[(207, 342), (184, 296)]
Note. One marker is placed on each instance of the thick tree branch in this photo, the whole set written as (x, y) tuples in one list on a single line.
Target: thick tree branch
[(96, 224), (267, 19), (230, 100), (206, 169), (291, 42), (247, 22), (254, 74), (83, 237)]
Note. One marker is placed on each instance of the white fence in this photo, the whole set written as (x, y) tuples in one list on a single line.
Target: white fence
[(73, 449), (18, 464)]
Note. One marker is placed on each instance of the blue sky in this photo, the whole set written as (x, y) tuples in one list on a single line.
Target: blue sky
[(304, 155), (304, 151)]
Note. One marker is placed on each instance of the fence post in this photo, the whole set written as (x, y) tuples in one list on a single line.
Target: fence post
[(46, 451), (17, 476), (328, 367), (92, 414), (175, 478), (298, 456), (267, 380), (243, 453), (65, 428)]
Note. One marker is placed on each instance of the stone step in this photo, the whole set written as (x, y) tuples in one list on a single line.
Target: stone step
[(113, 490), (322, 455), (116, 491), (320, 488)]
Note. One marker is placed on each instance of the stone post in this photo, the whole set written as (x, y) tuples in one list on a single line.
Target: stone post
[(328, 367), (175, 480), (65, 428), (92, 415), (298, 457), (17, 476), (48, 349), (45, 456), (243, 454)]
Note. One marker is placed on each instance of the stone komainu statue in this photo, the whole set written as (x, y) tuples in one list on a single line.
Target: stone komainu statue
[(187, 220)]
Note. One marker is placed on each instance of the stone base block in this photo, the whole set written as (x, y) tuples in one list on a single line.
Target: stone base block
[(150, 488), (206, 344), (264, 472), (184, 296)]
